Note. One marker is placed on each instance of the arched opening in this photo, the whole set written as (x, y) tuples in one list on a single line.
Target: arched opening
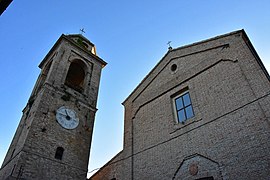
[(76, 75), (59, 153)]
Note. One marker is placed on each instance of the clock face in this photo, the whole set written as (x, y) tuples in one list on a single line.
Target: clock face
[(67, 118)]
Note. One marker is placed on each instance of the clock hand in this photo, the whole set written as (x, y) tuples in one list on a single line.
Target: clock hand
[(68, 117), (63, 114), (66, 112)]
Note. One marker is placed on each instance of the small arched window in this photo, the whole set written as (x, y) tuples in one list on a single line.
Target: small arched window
[(76, 75), (59, 153)]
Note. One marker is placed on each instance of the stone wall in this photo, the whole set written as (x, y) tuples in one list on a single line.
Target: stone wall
[(228, 136), (32, 154)]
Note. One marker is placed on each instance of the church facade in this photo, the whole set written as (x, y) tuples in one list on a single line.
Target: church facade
[(203, 112)]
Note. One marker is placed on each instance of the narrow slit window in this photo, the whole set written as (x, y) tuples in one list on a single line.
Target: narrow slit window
[(59, 153)]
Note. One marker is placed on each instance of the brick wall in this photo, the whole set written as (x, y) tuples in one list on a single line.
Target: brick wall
[(228, 136)]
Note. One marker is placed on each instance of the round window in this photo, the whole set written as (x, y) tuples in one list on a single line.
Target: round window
[(173, 67)]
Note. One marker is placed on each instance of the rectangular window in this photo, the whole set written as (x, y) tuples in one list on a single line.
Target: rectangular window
[(183, 107)]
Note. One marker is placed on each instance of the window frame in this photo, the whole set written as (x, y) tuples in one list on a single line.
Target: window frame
[(177, 110)]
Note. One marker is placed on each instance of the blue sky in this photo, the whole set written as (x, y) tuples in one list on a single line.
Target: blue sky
[(131, 36)]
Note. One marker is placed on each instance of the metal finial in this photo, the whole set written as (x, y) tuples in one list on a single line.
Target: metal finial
[(169, 44), (82, 30)]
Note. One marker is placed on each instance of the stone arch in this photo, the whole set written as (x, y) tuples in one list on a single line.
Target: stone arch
[(198, 167), (76, 75)]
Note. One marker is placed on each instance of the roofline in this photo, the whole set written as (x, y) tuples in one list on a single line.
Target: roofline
[(255, 54), (201, 42), (80, 35), (109, 163), (75, 44), (210, 39)]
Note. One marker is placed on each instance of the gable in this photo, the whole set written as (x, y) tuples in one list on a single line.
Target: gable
[(182, 64)]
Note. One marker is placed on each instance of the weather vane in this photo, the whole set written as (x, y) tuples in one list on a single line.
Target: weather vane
[(169, 44), (82, 30)]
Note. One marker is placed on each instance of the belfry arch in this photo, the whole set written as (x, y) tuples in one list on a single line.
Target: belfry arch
[(76, 75)]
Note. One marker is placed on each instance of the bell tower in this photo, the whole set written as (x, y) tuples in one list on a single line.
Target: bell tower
[(54, 135)]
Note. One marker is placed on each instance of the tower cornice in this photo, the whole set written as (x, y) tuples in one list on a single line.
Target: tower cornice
[(67, 38)]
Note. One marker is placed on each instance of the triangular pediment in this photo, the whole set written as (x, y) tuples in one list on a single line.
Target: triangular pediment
[(178, 66)]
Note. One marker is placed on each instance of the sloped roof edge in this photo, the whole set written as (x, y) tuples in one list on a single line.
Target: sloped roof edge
[(67, 37), (187, 46)]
